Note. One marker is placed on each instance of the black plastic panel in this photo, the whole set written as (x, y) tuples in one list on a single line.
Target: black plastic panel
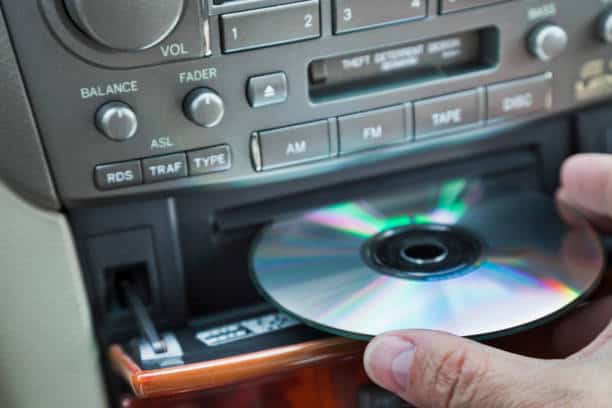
[(217, 233), (138, 241), (23, 165)]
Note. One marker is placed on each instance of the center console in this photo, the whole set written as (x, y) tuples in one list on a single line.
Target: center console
[(176, 129)]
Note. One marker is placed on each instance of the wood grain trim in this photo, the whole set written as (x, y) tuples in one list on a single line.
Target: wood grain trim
[(221, 372)]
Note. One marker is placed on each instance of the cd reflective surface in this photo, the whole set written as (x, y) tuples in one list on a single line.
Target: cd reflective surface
[(463, 257)]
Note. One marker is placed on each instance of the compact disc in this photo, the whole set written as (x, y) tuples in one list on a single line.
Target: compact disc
[(465, 256)]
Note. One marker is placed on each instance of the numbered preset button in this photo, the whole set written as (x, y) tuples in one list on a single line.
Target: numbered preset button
[(271, 26), (351, 15)]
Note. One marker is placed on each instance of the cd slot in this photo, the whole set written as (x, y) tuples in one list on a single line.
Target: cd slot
[(406, 64), (520, 165)]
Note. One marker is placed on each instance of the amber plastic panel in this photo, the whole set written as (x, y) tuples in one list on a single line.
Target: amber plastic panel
[(227, 371)]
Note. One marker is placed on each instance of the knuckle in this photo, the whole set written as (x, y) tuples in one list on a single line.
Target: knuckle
[(457, 379)]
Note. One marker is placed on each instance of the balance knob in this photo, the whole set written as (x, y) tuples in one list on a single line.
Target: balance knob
[(117, 121), (548, 41), (605, 27), (126, 25)]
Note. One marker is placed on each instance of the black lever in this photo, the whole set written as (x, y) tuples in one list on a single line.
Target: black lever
[(143, 320)]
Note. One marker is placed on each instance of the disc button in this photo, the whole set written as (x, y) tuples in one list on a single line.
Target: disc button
[(518, 98), (117, 121)]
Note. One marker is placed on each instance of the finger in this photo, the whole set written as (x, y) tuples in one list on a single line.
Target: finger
[(586, 182), (569, 212), (577, 216), (432, 369), (582, 327)]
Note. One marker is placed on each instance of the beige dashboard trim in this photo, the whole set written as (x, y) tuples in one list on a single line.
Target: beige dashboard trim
[(48, 353)]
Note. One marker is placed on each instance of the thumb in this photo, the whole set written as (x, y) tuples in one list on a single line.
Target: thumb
[(433, 369)]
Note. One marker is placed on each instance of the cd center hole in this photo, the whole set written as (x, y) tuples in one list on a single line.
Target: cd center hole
[(425, 253)]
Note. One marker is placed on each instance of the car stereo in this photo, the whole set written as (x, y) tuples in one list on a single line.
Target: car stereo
[(156, 96)]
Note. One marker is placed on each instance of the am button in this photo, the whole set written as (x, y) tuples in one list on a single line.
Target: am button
[(291, 145)]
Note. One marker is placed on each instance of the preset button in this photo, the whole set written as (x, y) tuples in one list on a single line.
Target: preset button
[(165, 168), (270, 26), (210, 160), (118, 175), (353, 15)]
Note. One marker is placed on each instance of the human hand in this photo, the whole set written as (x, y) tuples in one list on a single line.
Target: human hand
[(432, 369)]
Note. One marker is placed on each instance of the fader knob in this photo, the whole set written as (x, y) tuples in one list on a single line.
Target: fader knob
[(126, 25), (204, 107), (548, 41)]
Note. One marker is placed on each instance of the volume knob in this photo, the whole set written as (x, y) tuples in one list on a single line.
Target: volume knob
[(126, 25)]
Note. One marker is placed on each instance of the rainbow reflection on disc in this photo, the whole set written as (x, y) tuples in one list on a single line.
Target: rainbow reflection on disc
[(518, 263)]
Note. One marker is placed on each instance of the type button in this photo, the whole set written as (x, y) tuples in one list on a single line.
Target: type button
[(210, 160)]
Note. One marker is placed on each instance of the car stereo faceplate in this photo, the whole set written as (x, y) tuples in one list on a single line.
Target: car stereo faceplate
[(235, 93)]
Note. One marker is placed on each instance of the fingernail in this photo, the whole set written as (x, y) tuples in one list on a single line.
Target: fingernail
[(388, 361), (401, 366)]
